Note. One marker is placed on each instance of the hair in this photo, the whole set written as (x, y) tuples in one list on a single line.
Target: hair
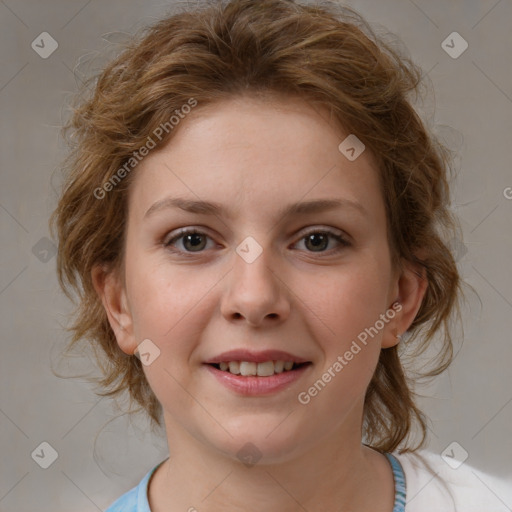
[(325, 55)]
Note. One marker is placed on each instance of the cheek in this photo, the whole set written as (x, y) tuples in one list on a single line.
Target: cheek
[(171, 306), (168, 308), (346, 308), (158, 296), (347, 302)]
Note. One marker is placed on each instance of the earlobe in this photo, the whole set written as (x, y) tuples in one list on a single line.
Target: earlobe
[(412, 286), (111, 291)]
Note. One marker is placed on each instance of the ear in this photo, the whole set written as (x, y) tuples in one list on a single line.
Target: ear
[(409, 291), (111, 290)]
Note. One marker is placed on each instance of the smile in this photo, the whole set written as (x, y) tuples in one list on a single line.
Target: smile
[(250, 383), (250, 368)]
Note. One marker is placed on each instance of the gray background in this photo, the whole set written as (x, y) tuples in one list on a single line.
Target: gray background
[(100, 453)]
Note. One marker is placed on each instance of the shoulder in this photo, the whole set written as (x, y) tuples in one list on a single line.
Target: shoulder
[(433, 484), (136, 499), (126, 503)]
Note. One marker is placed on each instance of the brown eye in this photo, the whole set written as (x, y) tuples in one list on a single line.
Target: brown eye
[(318, 241), (192, 241)]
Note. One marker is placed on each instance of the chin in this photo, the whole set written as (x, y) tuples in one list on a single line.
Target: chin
[(254, 442)]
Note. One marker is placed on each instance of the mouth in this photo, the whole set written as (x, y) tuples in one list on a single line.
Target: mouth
[(263, 369), (264, 378)]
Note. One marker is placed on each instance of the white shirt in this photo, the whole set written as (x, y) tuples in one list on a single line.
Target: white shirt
[(467, 489)]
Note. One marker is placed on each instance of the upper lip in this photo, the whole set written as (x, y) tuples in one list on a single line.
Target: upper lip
[(256, 357)]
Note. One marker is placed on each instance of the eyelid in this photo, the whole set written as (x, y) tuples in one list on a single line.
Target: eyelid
[(330, 231)]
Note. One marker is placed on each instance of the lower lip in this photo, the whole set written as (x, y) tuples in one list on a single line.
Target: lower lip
[(254, 385)]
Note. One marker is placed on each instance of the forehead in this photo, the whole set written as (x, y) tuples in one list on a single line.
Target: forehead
[(249, 152)]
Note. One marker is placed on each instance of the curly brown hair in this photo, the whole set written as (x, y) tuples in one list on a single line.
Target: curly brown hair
[(324, 54)]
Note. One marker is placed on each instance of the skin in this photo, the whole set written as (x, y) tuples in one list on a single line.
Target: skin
[(255, 156)]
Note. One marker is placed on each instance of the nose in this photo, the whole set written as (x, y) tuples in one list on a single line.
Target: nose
[(256, 292)]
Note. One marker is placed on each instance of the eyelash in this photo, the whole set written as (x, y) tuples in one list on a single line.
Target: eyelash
[(190, 231)]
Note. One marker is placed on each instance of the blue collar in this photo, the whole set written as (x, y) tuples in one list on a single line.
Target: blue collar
[(400, 488)]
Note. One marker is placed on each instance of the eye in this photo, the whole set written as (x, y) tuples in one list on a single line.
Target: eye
[(317, 240), (193, 241)]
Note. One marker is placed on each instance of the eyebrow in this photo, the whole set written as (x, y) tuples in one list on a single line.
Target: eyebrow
[(213, 208)]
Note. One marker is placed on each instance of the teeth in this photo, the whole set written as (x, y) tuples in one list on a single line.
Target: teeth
[(234, 367), (265, 369), (278, 366), (247, 368)]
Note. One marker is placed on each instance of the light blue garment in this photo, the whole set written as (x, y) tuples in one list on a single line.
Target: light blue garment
[(136, 499), (399, 477)]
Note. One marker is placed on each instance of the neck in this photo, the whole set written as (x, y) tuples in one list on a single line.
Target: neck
[(330, 475)]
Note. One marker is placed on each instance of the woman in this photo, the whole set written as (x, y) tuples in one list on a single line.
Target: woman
[(253, 217)]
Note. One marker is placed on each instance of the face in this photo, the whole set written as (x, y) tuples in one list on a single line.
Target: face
[(254, 279)]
